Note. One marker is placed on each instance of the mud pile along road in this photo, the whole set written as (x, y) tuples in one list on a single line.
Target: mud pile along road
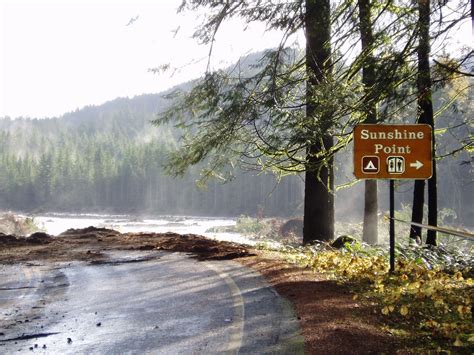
[(99, 291)]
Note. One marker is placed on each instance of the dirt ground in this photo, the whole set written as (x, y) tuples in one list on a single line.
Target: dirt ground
[(331, 321)]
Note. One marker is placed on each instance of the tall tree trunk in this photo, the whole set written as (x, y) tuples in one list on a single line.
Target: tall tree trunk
[(370, 230), (319, 198), (417, 209), (425, 106), (370, 227)]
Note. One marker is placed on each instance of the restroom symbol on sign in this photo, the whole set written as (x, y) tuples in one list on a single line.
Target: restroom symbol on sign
[(370, 164), (396, 165)]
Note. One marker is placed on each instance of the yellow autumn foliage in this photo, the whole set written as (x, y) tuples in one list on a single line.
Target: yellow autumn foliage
[(404, 310), (429, 300)]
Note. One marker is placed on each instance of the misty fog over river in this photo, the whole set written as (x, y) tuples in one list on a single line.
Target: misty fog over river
[(55, 224)]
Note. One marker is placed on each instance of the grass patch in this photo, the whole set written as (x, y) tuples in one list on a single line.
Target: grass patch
[(17, 225)]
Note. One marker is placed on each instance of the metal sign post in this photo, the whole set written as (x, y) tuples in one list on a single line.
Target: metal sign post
[(392, 226), (393, 152)]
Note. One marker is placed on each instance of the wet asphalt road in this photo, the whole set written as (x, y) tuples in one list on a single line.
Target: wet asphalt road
[(142, 302)]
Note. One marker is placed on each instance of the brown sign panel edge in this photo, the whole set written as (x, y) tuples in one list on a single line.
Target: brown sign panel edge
[(395, 125)]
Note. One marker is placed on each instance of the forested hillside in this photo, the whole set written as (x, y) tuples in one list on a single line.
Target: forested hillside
[(109, 158)]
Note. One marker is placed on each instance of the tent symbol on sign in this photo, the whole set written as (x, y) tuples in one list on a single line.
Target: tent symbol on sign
[(370, 164)]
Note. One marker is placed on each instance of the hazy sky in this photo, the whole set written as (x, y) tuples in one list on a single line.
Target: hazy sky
[(57, 56), (60, 55)]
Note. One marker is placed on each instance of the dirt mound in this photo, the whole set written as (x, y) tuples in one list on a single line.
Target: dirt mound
[(7, 239), (39, 238), (84, 232), (34, 239), (202, 248), (292, 227), (89, 244)]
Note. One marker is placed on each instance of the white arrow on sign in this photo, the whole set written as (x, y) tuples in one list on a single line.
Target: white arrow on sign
[(417, 165)]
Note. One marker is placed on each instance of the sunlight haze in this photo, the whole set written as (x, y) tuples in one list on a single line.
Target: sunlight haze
[(59, 56)]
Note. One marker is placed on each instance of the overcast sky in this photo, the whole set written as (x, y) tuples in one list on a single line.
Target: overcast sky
[(57, 56)]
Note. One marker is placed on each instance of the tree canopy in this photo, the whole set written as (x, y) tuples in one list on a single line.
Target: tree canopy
[(293, 109)]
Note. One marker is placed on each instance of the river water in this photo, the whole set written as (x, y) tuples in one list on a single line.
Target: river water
[(55, 224)]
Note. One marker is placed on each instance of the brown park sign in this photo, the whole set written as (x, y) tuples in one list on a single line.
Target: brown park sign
[(392, 151)]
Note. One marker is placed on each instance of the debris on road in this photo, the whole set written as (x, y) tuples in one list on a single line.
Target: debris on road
[(88, 244)]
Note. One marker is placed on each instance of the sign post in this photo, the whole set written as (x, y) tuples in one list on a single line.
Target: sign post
[(392, 225), (393, 152)]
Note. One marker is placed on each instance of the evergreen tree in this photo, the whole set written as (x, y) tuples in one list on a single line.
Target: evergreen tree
[(370, 226), (259, 115)]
